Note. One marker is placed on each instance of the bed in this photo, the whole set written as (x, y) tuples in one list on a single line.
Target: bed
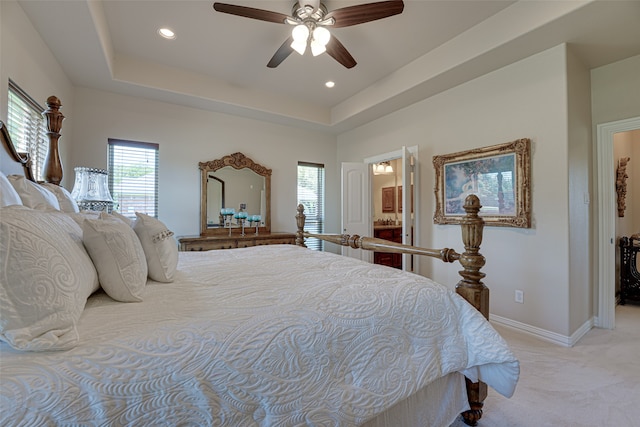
[(241, 337)]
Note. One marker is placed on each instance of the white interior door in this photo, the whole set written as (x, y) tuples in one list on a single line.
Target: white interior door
[(410, 223), (407, 195), (356, 206)]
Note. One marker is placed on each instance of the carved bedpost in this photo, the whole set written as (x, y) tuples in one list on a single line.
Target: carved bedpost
[(52, 171), (473, 290), (300, 219), (471, 286)]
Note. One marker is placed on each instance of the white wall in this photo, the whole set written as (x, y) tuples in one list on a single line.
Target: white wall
[(26, 59), (187, 136), (527, 99)]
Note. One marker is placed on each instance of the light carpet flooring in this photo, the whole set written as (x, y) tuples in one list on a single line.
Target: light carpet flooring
[(595, 383)]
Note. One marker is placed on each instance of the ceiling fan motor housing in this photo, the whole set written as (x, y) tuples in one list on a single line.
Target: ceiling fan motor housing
[(308, 12)]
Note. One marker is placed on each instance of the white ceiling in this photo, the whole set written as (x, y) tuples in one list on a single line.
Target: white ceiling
[(218, 61)]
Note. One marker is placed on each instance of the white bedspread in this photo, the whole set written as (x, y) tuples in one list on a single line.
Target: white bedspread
[(262, 336)]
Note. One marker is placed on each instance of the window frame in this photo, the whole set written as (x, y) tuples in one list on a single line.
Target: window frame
[(30, 136), (315, 218), (150, 209)]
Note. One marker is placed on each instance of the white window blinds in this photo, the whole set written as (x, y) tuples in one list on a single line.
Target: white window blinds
[(311, 196), (133, 176), (27, 128)]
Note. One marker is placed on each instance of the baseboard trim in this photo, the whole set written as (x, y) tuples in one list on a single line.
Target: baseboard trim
[(543, 334)]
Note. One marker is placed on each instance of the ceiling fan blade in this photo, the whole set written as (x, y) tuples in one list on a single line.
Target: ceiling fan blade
[(251, 12), (281, 54), (337, 51), (359, 14)]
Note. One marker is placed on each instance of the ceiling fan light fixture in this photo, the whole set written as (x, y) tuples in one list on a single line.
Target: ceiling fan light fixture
[(321, 35), (300, 35), (299, 46), (314, 14), (317, 48)]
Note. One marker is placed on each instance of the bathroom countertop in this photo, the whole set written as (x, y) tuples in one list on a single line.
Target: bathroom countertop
[(386, 227)]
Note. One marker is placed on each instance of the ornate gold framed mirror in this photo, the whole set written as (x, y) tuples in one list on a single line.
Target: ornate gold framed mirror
[(233, 182)]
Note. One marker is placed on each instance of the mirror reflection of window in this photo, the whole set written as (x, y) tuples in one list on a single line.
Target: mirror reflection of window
[(215, 196)]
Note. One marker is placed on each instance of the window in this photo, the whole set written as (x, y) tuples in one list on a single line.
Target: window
[(133, 177), (311, 196), (27, 128)]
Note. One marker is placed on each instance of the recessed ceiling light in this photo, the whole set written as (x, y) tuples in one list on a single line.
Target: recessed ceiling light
[(167, 33), (330, 84)]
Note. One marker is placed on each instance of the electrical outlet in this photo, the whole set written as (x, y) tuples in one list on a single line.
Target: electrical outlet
[(519, 297)]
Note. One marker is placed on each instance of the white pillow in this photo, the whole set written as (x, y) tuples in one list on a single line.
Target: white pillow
[(66, 202), (8, 195), (118, 256), (160, 247), (82, 215), (33, 195), (46, 279), (114, 214)]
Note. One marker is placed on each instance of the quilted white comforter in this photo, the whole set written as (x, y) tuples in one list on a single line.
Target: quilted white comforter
[(262, 336)]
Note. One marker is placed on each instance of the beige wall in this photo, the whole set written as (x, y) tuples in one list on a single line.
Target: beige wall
[(615, 91), (188, 136), (581, 279), (527, 99), (26, 59)]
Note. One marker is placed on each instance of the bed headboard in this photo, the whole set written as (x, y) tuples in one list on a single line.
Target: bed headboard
[(14, 163)]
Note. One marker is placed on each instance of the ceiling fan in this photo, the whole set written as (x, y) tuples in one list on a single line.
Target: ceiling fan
[(311, 19)]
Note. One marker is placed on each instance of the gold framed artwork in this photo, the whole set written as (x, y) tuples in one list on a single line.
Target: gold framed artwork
[(500, 175)]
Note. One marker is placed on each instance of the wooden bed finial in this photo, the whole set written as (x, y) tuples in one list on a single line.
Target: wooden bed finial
[(471, 286), (300, 219), (53, 165)]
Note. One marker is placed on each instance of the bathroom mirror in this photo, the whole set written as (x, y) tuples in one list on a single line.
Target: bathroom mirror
[(237, 182)]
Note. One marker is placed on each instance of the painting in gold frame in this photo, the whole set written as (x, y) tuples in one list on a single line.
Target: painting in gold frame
[(500, 175)]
